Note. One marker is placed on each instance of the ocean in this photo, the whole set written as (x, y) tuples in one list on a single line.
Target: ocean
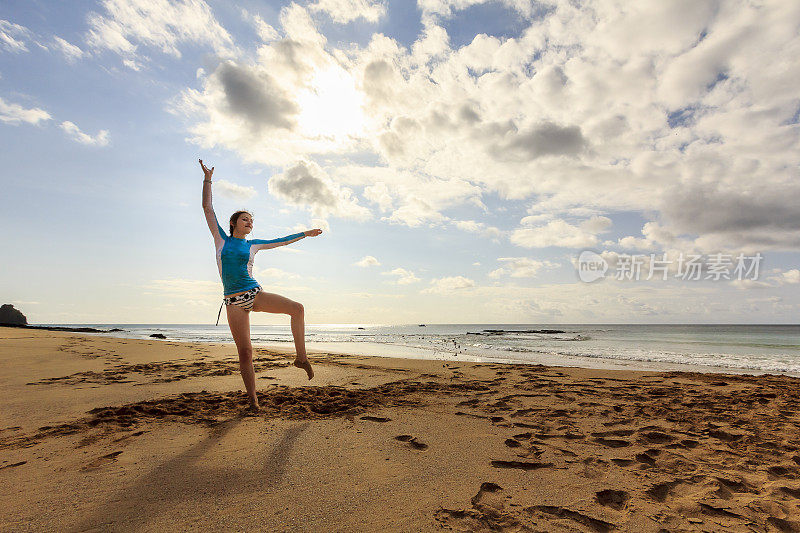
[(702, 348)]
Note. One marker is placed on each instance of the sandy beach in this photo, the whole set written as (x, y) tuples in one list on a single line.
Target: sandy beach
[(107, 434)]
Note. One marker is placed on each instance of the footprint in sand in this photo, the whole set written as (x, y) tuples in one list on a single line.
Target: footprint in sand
[(782, 471), (375, 418), (412, 441), (783, 525), (487, 497), (794, 493), (612, 443), (660, 491), (646, 459), (595, 524), (100, 461), (522, 465), (656, 437), (615, 499)]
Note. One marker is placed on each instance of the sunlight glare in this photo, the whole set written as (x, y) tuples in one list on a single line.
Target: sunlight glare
[(332, 106)]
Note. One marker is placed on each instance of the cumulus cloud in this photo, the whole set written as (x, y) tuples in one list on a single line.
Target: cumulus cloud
[(16, 114), (367, 261), (449, 285), (560, 233), (788, 277), (412, 199), (235, 191), (404, 277), (538, 141), (521, 267), (343, 11), (306, 184), (480, 228), (75, 133), (791, 276), (125, 24), (378, 193), (666, 109), (254, 97)]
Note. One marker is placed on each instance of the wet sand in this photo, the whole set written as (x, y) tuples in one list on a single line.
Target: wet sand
[(108, 434)]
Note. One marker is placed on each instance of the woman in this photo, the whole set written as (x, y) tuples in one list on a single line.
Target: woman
[(242, 293)]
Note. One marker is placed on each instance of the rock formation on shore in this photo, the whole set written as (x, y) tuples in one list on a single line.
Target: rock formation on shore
[(9, 315)]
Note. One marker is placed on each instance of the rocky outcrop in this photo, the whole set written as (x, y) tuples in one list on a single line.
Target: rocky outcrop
[(11, 316)]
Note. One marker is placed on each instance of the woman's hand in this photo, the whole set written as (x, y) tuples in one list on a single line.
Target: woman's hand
[(312, 232), (207, 172)]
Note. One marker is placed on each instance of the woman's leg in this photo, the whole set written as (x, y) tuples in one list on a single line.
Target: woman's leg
[(239, 322), (273, 303)]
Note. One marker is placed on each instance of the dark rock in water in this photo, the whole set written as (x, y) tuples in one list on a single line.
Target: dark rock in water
[(158, 336), (503, 331), (9, 315), (422, 325), (360, 328), (114, 329)]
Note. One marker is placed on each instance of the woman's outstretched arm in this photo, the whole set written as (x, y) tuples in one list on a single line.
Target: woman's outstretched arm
[(262, 244), (211, 218)]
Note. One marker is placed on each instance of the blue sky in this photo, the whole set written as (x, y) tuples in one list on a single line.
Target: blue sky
[(458, 155)]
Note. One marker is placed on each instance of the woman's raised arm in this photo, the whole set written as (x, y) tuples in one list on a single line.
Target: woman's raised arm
[(211, 218)]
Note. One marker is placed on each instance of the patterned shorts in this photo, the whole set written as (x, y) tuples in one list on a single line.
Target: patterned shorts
[(244, 300)]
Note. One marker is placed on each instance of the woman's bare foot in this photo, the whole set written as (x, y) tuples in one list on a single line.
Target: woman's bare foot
[(305, 365)]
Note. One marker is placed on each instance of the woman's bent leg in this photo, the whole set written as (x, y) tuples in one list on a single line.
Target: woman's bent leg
[(239, 322), (274, 303)]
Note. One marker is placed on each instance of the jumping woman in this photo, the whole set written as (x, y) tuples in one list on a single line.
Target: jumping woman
[(242, 293)]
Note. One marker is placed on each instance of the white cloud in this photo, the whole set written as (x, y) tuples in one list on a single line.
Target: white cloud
[(343, 11), (521, 267), (404, 277), (235, 191), (70, 51), (320, 223), (13, 36), (791, 276), (560, 233), (277, 273), (448, 285), (16, 114), (163, 24), (132, 64), (481, 228), (654, 236), (666, 109), (75, 133), (379, 194), (265, 31), (787, 277), (367, 261)]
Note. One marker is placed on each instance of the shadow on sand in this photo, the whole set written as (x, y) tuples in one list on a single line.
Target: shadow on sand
[(184, 479)]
